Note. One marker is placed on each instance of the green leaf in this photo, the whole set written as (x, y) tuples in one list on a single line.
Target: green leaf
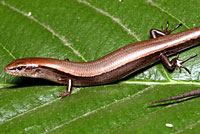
[(87, 30)]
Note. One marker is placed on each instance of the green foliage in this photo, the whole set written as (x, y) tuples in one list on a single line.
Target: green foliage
[(84, 31)]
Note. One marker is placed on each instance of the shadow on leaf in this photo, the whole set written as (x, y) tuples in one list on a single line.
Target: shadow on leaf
[(27, 81)]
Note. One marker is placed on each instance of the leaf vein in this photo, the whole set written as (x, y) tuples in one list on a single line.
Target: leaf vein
[(35, 108), (187, 127), (165, 11), (116, 20), (100, 108), (48, 28), (171, 82), (8, 51)]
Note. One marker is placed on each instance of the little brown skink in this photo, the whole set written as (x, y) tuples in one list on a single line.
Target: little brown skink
[(113, 66)]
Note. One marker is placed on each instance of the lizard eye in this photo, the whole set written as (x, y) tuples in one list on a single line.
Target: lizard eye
[(19, 68)]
